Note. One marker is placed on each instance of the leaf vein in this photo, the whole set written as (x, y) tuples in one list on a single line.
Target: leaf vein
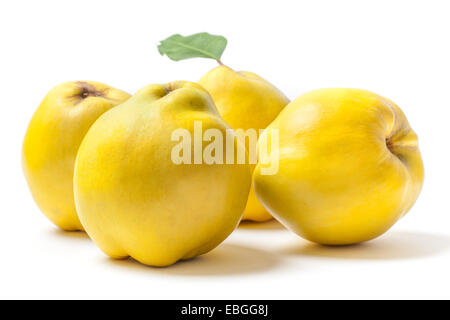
[(193, 48)]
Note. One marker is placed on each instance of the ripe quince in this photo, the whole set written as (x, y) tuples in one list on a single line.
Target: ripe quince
[(52, 140), (135, 200), (245, 101), (349, 166)]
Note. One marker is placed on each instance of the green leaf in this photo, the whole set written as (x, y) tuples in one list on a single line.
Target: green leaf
[(199, 45)]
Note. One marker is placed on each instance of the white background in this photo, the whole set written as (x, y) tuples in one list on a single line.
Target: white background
[(399, 49)]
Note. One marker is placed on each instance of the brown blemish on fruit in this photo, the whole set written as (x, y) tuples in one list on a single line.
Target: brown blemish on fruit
[(389, 144), (87, 90)]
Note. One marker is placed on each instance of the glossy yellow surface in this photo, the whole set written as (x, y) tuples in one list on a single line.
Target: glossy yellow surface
[(52, 140), (245, 101), (134, 201), (350, 166)]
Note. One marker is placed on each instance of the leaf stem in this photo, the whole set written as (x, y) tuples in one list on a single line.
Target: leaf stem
[(219, 62)]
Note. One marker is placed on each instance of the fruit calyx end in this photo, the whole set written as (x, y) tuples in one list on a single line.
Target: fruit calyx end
[(175, 85), (88, 90), (390, 145)]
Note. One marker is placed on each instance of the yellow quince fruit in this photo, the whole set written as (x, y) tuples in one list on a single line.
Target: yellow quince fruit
[(133, 195), (349, 166), (52, 140), (245, 101)]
